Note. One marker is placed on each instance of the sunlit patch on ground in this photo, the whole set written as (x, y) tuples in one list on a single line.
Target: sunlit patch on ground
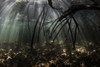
[(48, 56)]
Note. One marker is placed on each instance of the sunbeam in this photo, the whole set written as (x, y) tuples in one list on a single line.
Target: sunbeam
[(49, 33)]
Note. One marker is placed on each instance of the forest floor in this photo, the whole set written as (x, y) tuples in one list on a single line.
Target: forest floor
[(49, 57)]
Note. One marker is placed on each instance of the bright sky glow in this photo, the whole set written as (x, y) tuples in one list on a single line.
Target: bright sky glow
[(36, 1)]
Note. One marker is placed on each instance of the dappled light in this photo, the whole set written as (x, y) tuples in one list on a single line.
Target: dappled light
[(49, 33)]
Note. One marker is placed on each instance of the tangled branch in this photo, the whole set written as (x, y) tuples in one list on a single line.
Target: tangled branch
[(74, 8), (69, 13)]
